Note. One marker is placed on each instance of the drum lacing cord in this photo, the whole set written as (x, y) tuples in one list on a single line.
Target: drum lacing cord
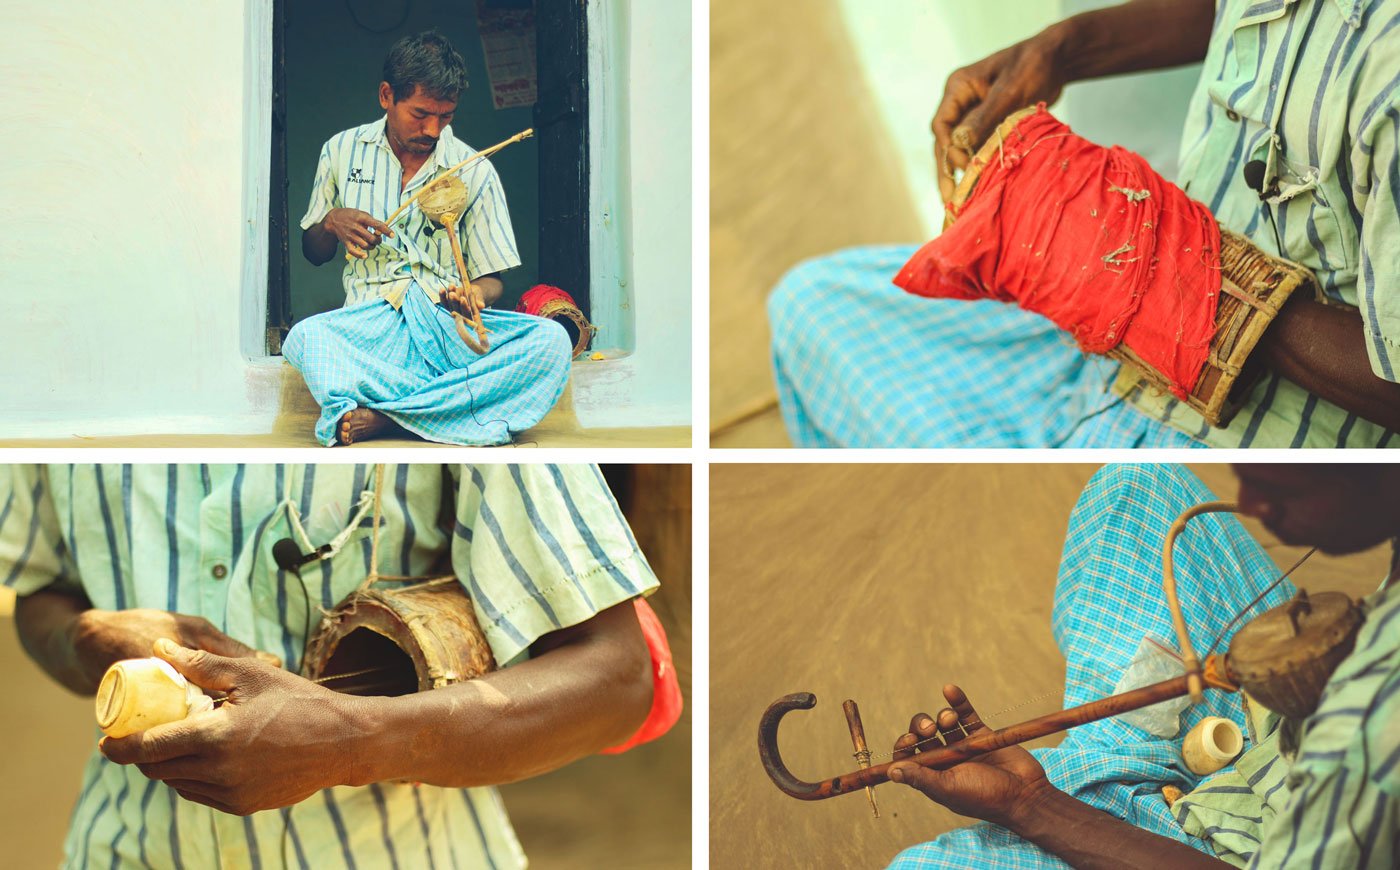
[(373, 576)]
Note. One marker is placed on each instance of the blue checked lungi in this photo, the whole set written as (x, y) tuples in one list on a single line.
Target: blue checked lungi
[(410, 365), (1107, 598), (861, 363)]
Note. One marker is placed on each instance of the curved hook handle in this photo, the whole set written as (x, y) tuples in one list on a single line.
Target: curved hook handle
[(768, 746), (978, 742)]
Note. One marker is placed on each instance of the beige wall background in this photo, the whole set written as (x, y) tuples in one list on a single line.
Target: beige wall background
[(798, 167), (881, 583), (629, 810)]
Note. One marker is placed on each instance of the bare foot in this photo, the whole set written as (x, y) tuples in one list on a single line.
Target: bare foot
[(361, 424)]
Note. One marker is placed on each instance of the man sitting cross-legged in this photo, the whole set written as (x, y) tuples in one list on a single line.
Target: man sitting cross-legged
[(392, 359)]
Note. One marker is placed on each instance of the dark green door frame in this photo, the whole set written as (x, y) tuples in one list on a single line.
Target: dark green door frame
[(561, 126)]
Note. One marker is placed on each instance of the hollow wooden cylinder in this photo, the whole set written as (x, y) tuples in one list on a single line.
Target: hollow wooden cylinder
[(411, 639), (136, 694), (1212, 744)]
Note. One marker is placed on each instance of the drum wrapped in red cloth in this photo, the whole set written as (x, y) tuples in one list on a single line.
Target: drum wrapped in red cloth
[(543, 300), (1122, 259)]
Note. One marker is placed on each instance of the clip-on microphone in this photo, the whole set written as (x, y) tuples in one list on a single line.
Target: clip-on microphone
[(289, 556), (1254, 172)]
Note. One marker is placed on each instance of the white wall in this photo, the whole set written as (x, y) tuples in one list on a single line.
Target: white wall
[(640, 118), (908, 48), (125, 221), (135, 216)]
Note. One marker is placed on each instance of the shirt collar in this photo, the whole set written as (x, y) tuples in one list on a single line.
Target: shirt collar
[(372, 133), (1350, 9)]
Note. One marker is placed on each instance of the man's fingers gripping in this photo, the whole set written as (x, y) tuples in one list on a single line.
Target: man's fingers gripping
[(380, 227), (922, 735), (967, 716), (154, 745), (205, 669), (920, 778), (959, 95), (948, 726)]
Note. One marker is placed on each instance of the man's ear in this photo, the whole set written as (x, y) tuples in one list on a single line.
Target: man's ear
[(386, 96)]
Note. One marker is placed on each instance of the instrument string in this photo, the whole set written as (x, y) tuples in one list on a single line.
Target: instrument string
[(332, 678), (936, 740), (1258, 598)]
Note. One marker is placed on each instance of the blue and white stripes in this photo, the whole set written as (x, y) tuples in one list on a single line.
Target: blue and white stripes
[(201, 536)]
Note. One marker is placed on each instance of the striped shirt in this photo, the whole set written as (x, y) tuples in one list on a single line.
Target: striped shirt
[(1337, 804), (538, 547), (358, 170), (1324, 74)]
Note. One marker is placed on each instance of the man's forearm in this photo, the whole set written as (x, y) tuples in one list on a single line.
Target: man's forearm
[(569, 702), (1132, 37), (45, 621), (318, 244), (491, 288), (1322, 348), (1089, 839)]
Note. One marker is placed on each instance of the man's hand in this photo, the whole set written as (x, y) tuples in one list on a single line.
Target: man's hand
[(1128, 37), (357, 230), (280, 738), (978, 97), (467, 303), (1008, 787), (277, 740), (103, 637), (994, 787)]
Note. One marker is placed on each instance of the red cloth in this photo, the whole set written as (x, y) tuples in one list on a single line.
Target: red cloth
[(1046, 228), (532, 301), (666, 701)]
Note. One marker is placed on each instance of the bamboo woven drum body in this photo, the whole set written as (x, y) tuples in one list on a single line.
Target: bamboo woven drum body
[(1285, 656), (582, 332), (415, 638), (1254, 287)]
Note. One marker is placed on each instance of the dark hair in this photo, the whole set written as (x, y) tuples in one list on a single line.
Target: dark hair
[(426, 60)]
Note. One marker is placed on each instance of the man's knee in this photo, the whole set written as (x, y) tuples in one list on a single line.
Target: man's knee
[(1138, 482), (1132, 501), (805, 286), (551, 350), (808, 302), (301, 336), (1120, 480), (560, 348)]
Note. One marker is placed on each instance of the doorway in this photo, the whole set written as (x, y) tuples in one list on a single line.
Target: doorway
[(327, 58)]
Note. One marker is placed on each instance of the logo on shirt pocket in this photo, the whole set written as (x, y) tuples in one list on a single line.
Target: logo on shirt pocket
[(357, 176)]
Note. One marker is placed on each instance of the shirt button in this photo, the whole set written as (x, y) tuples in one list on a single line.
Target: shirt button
[(220, 571), (1232, 114)]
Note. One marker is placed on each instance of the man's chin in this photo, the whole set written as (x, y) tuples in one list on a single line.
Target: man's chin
[(1333, 542)]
